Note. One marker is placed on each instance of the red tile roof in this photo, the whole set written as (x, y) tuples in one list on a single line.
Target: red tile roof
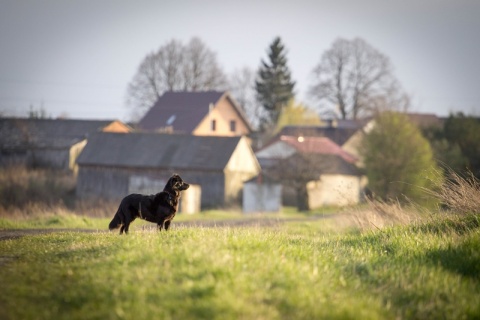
[(318, 145)]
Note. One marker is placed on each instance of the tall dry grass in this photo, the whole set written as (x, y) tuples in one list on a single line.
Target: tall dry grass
[(379, 214), (459, 193), (40, 192), (32, 190), (454, 194)]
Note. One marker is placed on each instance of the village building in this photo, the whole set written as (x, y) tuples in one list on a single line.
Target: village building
[(49, 143), (202, 113), (337, 180)]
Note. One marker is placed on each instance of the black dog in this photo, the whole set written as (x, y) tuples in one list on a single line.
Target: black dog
[(159, 208)]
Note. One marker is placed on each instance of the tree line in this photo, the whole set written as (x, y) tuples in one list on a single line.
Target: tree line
[(352, 80)]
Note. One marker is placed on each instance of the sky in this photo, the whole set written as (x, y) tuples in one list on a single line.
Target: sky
[(75, 58)]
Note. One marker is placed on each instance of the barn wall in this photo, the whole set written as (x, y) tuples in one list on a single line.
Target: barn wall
[(114, 183), (51, 158), (15, 157), (101, 182), (212, 184)]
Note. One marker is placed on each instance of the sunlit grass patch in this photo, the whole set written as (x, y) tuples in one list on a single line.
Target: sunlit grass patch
[(294, 270)]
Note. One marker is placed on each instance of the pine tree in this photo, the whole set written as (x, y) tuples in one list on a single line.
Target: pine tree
[(274, 85)]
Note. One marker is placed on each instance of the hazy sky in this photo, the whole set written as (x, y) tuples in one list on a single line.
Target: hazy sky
[(76, 58)]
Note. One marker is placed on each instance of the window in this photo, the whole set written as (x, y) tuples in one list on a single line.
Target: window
[(233, 126), (213, 125)]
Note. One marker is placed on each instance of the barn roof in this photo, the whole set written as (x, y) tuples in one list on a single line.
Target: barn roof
[(40, 133), (153, 150), (183, 110)]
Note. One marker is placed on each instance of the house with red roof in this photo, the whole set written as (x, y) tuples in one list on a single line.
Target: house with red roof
[(200, 113), (339, 181)]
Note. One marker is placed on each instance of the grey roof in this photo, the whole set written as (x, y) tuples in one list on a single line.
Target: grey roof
[(153, 150), (182, 110), (339, 134), (46, 133)]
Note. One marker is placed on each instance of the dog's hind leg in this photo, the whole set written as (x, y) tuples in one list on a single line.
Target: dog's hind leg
[(127, 225), (160, 225)]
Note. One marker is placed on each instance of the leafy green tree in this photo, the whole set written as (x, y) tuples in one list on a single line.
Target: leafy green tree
[(447, 153), (464, 131), (398, 159), (297, 114), (274, 86)]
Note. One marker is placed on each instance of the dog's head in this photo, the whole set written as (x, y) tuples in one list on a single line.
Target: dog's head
[(176, 183)]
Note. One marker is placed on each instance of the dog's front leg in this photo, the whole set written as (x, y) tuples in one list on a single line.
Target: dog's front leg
[(167, 224)]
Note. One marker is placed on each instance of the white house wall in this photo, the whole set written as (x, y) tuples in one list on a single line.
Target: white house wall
[(334, 190)]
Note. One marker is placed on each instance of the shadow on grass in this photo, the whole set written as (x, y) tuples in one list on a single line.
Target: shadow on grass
[(463, 258)]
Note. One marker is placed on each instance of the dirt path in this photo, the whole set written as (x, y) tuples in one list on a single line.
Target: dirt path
[(260, 222)]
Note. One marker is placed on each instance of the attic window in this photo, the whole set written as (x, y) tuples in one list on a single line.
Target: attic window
[(233, 126), (213, 125)]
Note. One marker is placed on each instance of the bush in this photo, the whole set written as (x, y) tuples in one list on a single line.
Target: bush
[(398, 159)]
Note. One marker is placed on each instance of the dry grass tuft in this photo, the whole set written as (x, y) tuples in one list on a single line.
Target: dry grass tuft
[(377, 214), (459, 193)]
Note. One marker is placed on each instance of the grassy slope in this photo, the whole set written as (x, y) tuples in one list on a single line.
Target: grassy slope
[(293, 271)]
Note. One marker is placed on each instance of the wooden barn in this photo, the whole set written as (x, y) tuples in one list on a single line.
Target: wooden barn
[(111, 165)]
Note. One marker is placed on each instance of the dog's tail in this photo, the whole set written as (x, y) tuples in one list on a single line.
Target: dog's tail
[(116, 222)]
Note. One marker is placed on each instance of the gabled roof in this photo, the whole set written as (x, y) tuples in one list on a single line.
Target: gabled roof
[(153, 150), (182, 110), (41, 133), (308, 145)]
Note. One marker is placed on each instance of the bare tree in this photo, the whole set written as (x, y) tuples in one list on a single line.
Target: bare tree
[(174, 66), (242, 88), (353, 79)]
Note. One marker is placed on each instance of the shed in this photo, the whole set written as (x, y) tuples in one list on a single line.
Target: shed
[(262, 194)]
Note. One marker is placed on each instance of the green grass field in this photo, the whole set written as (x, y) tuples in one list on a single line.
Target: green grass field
[(292, 270)]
